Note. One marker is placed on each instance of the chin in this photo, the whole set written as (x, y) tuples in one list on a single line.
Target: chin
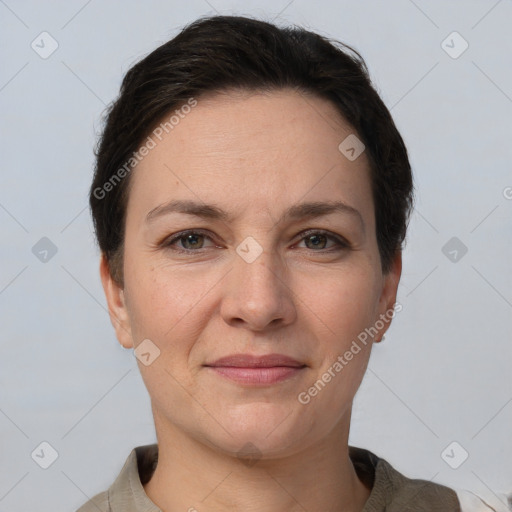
[(263, 430)]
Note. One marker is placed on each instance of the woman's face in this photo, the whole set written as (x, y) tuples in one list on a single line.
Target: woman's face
[(249, 233)]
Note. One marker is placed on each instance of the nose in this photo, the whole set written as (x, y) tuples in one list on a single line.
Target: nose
[(257, 295)]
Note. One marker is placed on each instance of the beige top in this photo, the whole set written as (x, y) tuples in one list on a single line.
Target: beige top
[(390, 490)]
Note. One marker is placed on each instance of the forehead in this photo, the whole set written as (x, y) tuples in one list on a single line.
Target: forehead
[(258, 150)]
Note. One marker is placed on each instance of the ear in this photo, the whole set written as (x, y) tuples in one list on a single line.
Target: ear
[(387, 299), (116, 305)]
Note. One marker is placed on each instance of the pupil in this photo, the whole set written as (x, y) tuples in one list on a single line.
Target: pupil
[(317, 240), (191, 240)]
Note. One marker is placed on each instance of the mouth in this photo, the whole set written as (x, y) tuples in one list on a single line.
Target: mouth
[(257, 370)]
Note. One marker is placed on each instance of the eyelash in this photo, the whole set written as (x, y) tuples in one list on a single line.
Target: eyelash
[(168, 242)]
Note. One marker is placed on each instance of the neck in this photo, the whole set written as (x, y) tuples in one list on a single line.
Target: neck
[(191, 476)]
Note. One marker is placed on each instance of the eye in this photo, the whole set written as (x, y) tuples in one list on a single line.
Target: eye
[(318, 240), (188, 241)]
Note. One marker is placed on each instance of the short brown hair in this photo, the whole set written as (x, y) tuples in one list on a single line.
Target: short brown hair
[(218, 53)]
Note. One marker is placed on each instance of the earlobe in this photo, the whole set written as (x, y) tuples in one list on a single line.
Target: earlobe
[(118, 312)]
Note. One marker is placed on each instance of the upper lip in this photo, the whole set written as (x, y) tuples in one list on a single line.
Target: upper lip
[(250, 361)]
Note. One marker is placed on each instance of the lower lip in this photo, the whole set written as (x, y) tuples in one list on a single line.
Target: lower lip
[(257, 376)]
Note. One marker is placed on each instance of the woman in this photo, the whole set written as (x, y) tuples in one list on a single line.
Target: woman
[(250, 200)]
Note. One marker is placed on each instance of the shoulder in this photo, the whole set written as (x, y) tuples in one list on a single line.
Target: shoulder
[(98, 503), (417, 494), (127, 492), (394, 492), (391, 491)]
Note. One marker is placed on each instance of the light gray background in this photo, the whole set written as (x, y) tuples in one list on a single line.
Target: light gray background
[(443, 373)]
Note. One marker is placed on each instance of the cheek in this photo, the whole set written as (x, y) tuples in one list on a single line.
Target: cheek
[(342, 308), (166, 305), (342, 352), (344, 303), (169, 313)]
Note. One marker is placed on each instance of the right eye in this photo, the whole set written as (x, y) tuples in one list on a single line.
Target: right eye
[(189, 241)]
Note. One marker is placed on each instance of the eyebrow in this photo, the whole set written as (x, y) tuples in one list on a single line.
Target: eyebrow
[(309, 210)]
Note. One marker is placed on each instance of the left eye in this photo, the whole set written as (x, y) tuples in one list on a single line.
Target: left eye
[(319, 240)]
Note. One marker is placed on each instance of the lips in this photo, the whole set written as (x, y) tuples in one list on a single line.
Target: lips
[(252, 370), (249, 361)]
